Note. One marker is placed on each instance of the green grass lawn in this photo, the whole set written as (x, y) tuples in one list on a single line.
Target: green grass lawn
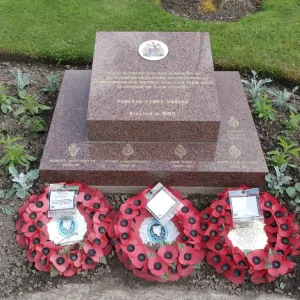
[(64, 30)]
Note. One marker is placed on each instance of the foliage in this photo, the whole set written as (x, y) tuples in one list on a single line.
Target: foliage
[(262, 108), (277, 182), (53, 83), (22, 183), (282, 98), (208, 6), (293, 123), (14, 154), (22, 79), (5, 100), (255, 87), (285, 155), (294, 193), (30, 105), (34, 124)]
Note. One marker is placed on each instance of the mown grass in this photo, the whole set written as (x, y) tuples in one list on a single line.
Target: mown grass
[(61, 30)]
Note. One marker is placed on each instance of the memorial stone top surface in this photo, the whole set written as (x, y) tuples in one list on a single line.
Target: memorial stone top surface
[(153, 86)]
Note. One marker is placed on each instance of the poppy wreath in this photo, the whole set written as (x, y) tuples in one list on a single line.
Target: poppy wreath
[(32, 233), (262, 265), (165, 260)]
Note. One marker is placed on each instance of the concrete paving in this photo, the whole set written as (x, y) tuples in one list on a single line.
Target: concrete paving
[(113, 291)]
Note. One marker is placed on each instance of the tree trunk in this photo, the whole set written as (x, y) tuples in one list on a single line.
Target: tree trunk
[(219, 4)]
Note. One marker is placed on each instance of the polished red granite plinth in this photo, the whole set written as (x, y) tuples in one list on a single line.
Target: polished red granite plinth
[(69, 155), (169, 100)]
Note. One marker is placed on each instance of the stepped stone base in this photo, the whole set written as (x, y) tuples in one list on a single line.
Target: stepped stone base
[(235, 159)]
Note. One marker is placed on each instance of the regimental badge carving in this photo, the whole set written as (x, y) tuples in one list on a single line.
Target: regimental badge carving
[(73, 150), (180, 151), (153, 50), (127, 150), (234, 151), (233, 122)]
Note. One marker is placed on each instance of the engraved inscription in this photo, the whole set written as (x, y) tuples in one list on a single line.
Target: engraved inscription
[(154, 80), (234, 151)]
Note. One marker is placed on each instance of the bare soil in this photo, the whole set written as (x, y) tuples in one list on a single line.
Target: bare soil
[(18, 276), (233, 10)]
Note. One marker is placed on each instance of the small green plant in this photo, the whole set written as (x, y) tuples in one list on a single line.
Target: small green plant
[(293, 123), (282, 98), (255, 87), (285, 155), (34, 124), (14, 154), (5, 100), (277, 183), (294, 193), (30, 105), (22, 79), (22, 183), (262, 108), (53, 83)]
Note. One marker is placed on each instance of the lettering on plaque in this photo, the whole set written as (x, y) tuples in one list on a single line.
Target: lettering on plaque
[(153, 50), (180, 151), (73, 150), (127, 150), (234, 151), (233, 122)]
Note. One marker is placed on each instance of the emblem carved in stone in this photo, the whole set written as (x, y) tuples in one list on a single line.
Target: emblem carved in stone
[(180, 151), (233, 122), (127, 150), (73, 150), (153, 50), (234, 151)]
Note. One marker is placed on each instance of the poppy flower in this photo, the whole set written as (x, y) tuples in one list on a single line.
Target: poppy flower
[(212, 231), (97, 240), (40, 205), (140, 259), (168, 254), (127, 212), (101, 228), (272, 228), (47, 248), (185, 270), (188, 256), (123, 225), (278, 213), (130, 246), (283, 242), (42, 262), (205, 214), (214, 258), (224, 267), (284, 228), (267, 201), (30, 254), (257, 259), (94, 204), (70, 271), (216, 246), (259, 279), (21, 240), (102, 216), (60, 262), (173, 274), (76, 258), (157, 266), (37, 238), (217, 208), (87, 262), (137, 202), (279, 266), (29, 229), (125, 237), (94, 252), (236, 275), (25, 205), (192, 222), (33, 217)]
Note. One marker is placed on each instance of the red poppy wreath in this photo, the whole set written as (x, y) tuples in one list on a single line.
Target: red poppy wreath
[(153, 251), (261, 265), (91, 224)]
